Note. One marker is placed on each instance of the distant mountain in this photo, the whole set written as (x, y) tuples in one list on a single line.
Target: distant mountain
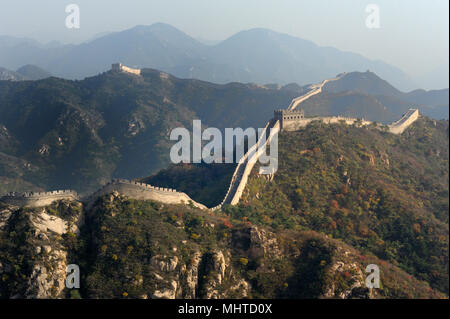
[(257, 55), (391, 101), (207, 41), (429, 98), (27, 72), (32, 72), (7, 75), (364, 82)]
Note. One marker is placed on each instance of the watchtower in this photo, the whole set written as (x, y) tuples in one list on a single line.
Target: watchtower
[(289, 117)]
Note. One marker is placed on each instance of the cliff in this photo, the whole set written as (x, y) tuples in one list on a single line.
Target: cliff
[(142, 249)]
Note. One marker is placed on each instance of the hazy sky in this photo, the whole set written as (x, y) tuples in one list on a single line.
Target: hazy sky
[(413, 33)]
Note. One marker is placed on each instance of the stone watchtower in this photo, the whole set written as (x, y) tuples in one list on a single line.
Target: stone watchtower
[(119, 67), (289, 117), (116, 67)]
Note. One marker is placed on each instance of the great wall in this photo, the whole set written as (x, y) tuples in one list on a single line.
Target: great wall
[(37, 199), (247, 162), (291, 120), (288, 119), (407, 119), (118, 67), (142, 191), (132, 189)]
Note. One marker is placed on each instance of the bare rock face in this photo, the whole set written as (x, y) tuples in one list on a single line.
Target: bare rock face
[(384, 157), (256, 242), (167, 279), (348, 281), (241, 288), (215, 266), (48, 283), (4, 216), (206, 275), (135, 126), (169, 293), (45, 223), (164, 263), (46, 279), (191, 275), (268, 243)]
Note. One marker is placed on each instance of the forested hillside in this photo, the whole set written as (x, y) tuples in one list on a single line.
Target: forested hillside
[(141, 249), (56, 133), (381, 193)]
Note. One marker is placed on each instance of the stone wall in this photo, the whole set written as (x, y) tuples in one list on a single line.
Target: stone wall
[(38, 199), (295, 124), (118, 67), (143, 191), (407, 119), (315, 89), (246, 164), (251, 161), (128, 188)]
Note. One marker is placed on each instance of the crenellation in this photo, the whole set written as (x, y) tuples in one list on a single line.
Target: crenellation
[(291, 120), (133, 189), (37, 199)]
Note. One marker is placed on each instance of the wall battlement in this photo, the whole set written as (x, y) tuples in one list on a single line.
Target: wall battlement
[(42, 194), (38, 199), (407, 119), (118, 67), (291, 120), (133, 189), (142, 191)]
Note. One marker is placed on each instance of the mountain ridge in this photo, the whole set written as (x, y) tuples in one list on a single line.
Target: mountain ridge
[(164, 47)]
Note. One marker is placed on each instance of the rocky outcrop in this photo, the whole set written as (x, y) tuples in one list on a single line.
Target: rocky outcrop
[(205, 275), (43, 246), (164, 263), (5, 213), (213, 274), (256, 243), (190, 274), (48, 276), (346, 278)]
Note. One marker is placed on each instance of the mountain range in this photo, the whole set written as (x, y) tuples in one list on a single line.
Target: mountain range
[(256, 55), (78, 134), (57, 133), (24, 73), (344, 197)]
